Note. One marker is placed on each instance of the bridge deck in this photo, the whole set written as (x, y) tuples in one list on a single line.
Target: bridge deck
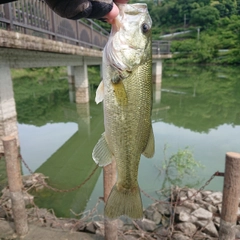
[(17, 40), (35, 18)]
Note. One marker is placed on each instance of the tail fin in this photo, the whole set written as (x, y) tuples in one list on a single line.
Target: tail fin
[(124, 202)]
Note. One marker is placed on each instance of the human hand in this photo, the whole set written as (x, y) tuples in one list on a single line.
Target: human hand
[(76, 9), (114, 12)]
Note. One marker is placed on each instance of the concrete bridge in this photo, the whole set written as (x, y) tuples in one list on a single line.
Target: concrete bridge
[(31, 35)]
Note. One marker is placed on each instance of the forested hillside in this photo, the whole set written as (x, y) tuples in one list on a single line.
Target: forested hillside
[(213, 29), (213, 26)]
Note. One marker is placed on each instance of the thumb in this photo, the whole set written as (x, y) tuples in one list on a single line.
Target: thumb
[(112, 14)]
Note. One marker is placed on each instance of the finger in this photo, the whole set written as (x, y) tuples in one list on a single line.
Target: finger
[(121, 1), (112, 14)]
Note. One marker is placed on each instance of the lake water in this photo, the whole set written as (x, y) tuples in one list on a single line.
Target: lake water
[(194, 107)]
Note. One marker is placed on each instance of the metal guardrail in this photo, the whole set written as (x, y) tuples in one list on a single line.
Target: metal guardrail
[(34, 17), (161, 47)]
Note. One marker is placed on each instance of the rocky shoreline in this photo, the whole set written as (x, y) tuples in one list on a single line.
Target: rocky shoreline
[(188, 214)]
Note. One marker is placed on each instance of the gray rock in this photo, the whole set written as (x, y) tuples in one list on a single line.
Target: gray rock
[(157, 217), (2, 213), (216, 221), (148, 213), (215, 198), (183, 198), (179, 236), (187, 228), (161, 231), (66, 224), (28, 199), (91, 227), (202, 214), (190, 204), (179, 209), (212, 209), (126, 220), (153, 215), (179, 193), (79, 227), (98, 225), (119, 223), (209, 227), (219, 206), (165, 221), (184, 216), (187, 217), (100, 232), (163, 208), (206, 193), (208, 199), (237, 234), (146, 225), (203, 236), (207, 206), (127, 227), (192, 192), (99, 228), (128, 237), (44, 213), (7, 230)]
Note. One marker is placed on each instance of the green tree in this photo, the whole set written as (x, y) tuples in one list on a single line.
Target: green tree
[(205, 16), (167, 14), (235, 28), (206, 49), (226, 7), (238, 7)]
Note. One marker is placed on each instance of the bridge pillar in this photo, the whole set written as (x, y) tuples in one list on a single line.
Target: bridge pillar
[(78, 76), (157, 71), (83, 110), (71, 83), (158, 87), (8, 115)]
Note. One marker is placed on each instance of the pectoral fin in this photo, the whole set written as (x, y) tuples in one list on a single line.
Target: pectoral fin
[(99, 93), (101, 153), (120, 93), (150, 148)]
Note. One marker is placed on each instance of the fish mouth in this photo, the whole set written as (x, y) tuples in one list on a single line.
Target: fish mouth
[(132, 9), (128, 9), (122, 53), (117, 24)]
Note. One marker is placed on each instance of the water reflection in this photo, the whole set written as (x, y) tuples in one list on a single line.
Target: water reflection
[(200, 109), (195, 107), (210, 99), (70, 163), (157, 92)]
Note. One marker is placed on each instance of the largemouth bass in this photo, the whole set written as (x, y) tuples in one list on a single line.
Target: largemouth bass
[(126, 91)]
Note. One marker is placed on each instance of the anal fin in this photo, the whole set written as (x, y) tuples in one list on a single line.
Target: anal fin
[(101, 153)]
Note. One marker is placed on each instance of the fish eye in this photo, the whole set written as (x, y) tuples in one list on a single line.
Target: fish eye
[(145, 27)]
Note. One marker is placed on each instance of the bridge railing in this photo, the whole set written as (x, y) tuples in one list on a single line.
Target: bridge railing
[(34, 17), (160, 47)]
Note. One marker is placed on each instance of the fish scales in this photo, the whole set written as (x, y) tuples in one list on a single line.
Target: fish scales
[(131, 130), (127, 95)]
